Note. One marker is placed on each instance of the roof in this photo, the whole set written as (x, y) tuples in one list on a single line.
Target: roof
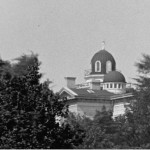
[(102, 94), (103, 56), (114, 76), (92, 94)]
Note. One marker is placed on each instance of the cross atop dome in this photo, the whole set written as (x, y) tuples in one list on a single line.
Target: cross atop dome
[(103, 45)]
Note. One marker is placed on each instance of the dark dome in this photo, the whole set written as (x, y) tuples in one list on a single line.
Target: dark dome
[(103, 56), (114, 76)]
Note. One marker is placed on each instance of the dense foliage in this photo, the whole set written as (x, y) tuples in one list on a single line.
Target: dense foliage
[(138, 119), (29, 110)]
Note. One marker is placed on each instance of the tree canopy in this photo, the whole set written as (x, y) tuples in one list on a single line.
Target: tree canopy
[(29, 110)]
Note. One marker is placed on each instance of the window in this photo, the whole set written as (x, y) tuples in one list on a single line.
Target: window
[(110, 85), (119, 86), (108, 66), (115, 85), (97, 66), (107, 85)]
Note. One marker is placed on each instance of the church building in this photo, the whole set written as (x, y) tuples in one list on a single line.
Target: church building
[(104, 87)]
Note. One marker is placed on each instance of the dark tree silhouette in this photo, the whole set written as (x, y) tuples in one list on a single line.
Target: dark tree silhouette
[(29, 111)]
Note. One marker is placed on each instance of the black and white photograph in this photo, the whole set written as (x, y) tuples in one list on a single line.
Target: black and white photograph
[(74, 74)]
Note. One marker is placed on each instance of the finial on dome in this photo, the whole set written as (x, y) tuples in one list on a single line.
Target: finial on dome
[(103, 45)]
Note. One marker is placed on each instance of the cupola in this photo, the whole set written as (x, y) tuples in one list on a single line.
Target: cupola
[(102, 62)]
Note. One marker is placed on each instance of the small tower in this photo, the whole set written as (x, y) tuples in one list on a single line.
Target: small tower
[(101, 63)]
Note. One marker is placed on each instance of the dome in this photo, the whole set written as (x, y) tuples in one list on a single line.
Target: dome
[(103, 57), (114, 76)]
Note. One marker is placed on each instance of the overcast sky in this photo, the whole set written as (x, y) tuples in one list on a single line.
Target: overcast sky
[(67, 33)]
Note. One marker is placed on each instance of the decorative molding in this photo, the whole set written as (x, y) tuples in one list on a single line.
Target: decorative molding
[(69, 91)]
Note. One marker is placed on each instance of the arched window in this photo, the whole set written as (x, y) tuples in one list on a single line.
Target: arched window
[(108, 66), (97, 66), (110, 85), (107, 85)]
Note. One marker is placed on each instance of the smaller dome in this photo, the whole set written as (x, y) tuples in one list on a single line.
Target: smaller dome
[(114, 76)]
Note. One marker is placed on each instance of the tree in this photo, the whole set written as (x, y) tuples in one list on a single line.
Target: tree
[(143, 68), (28, 113), (5, 69), (136, 124), (19, 68), (23, 63), (99, 132)]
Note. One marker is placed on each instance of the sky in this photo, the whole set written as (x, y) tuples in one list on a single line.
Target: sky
[(67, 33)]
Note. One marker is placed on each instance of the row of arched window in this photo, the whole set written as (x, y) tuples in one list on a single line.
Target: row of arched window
[(98, 66)]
